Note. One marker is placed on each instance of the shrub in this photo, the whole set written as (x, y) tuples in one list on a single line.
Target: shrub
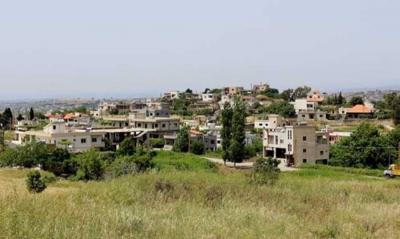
[(129, 165), (34, 182), (265, 171), (157, 143), (7, 157), (90, 165), (197, 147), (127, 147), (49, 178)]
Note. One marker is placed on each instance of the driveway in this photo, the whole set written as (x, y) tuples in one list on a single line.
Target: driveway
[(247, 165)]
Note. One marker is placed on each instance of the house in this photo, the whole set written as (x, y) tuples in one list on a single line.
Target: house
[(308, 110), (225, 99), (160, 125), (209, 140), (57, 133), (116, 121), (77, 119), (260, 88), (303, 105), (261, 124), (209, 97), (236, 90), (359, 112), (172, 95), (315, 96), (294, 144)]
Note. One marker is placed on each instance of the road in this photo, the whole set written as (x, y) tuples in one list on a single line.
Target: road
[(247, 165)]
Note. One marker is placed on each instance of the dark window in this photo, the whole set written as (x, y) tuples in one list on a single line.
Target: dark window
[(321, 152), (156, 125), (304, 138), (212, 141), (139, 125), (304, 160), (54, 127), (94, 140), (163, 125), (304, 150), (83, 141)]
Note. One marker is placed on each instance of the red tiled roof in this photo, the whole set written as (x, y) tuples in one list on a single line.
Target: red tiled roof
[(360, 109)]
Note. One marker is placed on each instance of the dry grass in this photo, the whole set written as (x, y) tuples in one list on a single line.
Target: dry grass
[(199, 204)]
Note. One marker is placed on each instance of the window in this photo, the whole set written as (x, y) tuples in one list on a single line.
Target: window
[(304, 150), (289, 147), (321, 152), (94, 140), (156, 125), (212, 141), (163, 125), (304, 160), (54, 127), (139, 125), (83, 141), (304, 138)]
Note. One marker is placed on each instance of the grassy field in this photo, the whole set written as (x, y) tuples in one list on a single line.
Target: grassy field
[(203, 202)]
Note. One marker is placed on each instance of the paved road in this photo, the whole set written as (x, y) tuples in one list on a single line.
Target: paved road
[(247, 164)]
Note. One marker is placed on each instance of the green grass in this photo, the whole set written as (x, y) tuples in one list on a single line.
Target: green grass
[(201, 203), (329, 170), (167, 161)]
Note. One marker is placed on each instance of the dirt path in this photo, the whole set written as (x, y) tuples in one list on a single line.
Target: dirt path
[(246, 165)]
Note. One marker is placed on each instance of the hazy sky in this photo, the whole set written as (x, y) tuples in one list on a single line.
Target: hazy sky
[(134, 48)]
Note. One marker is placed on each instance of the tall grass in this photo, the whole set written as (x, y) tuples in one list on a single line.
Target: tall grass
[(204, 204)]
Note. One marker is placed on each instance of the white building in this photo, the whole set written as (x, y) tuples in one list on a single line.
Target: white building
[(294, 145), (58, 134), (209, 97)]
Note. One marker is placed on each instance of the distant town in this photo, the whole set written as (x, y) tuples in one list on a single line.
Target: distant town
[(296, 126)]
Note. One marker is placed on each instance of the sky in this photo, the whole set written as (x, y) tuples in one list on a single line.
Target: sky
[(96, 48)]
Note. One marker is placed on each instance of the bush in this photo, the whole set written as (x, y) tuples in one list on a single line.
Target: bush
[(49, 178), (34, 182), (129, 165), (90, 165), (197, 147), (265, 171), (127, 147), (157, 143)]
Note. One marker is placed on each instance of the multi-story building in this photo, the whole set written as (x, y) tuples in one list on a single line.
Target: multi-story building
[(308, 110), (209, 97), (294, 144), (57, 133), (260, 88), (236, 90), (315, 96)]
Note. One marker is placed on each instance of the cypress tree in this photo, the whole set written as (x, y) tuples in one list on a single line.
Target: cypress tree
[(226, 132)]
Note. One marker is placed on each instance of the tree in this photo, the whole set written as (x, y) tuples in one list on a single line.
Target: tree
[(271, 93), (356, 100), (31, 114), (226, 132), (364, 148), (341, 100), (265, 171), (284, 109), (237, 146), (182, 140), (7, 118), (20, 117), (396, 110), (34, 182), (301, 92), (90, 165), (127, 147), (189, 91), (287, 95), (197, 147)]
